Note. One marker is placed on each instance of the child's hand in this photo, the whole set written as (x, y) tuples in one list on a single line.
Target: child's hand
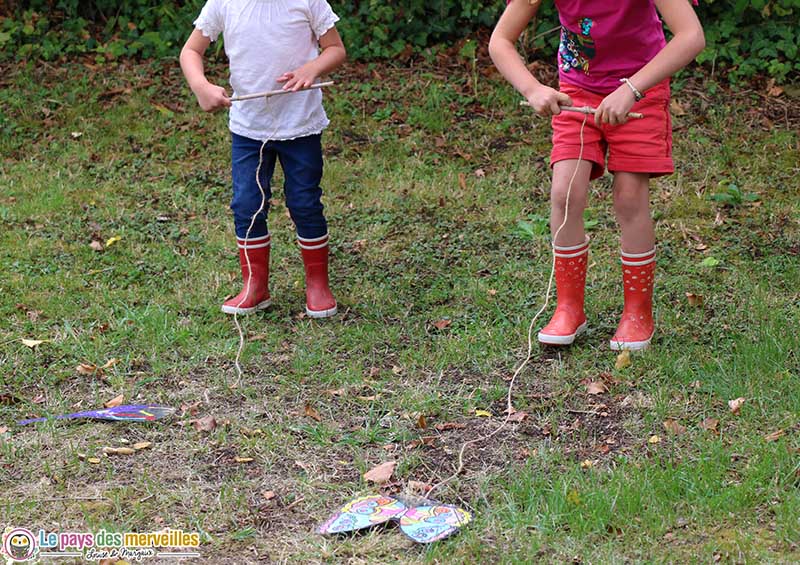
[(303, 77), (547, 101), (614, 108), (212, 97)]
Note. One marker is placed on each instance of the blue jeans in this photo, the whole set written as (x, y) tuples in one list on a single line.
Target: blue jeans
[(301, 161)]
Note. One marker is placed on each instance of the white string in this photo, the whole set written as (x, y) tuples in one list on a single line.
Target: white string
[(509, 406), (239, 372)]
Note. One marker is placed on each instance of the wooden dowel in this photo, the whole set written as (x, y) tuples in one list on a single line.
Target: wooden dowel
[(586, 110), (270, 93)]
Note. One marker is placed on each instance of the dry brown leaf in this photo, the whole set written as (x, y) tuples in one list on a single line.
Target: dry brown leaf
[(774, 436), (381, 473), (736, 404), (694, 299), (96, 245), (587, 464), (491, 292), (110, 363), (462, 181), (596, 387), (32, 342), (442, 324), (86, 369), (141, 445), (480, 173), (418, 487), (517, 416), (674, 427), (268, 495), (3, 429), (677, 108), (654, 439), (116, 401), (311, 412), (623, 359), (205, 424), (449, 426), (709, 424), (422, 423)]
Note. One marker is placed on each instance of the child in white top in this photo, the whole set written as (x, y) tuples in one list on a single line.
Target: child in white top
[(272, 44)]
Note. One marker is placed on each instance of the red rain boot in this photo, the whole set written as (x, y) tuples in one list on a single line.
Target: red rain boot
[(319, 299), (255, 295), (636, 326), (568, 320)]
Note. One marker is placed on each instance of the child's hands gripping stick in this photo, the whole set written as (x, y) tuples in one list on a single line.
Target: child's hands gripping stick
[(547, 101), (211, 97)]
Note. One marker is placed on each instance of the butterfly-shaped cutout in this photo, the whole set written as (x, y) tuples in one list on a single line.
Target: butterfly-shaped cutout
[(423, 524), (125, 413)]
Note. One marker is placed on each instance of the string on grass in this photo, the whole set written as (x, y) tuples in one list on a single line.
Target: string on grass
[(509, 395)]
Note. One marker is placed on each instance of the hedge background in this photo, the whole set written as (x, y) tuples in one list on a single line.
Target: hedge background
[(744, 37)]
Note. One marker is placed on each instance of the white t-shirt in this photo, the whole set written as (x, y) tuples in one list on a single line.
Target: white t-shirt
[(263, 40)]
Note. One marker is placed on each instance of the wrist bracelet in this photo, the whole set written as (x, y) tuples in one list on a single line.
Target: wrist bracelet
[(636, 94)]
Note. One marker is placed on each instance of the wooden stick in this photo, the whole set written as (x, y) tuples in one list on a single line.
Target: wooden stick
[(270, 93), (586, 110)]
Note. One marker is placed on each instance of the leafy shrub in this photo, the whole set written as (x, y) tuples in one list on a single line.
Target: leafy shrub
[(744, 37)]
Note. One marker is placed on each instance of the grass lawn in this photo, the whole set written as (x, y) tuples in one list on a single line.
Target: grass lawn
[(437, 193)]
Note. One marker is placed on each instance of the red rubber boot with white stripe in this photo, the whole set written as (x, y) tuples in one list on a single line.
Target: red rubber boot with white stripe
[(255, 276), (320, 302), (636, 327), (569, 319)]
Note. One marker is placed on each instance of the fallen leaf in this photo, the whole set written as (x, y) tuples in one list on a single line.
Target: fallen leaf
[(491, 292), (587, 464), (480, 173), (381, 473), (573, 497), (76, 134), (772, 89), (418, 487), (205, 424), (397, 370), (119, 450), (421, 422), (462, 181), (710, 262), (596, 387), (3, 429), (311, 412), (483, 413), (112, 240), (94, 460), (517, 416), (243, 459), (449, 426), (694, 299), (268, 495), (709, 424), (774, 436), (442, 324), (86, 369), (96, 245), (674, 427), (116, 401), (736, 404), (677, 108), (110, 363), (32, 342), (623, 359), (141, 445), (654, 440)]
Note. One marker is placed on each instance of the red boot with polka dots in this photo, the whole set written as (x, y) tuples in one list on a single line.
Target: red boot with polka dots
[(569, 319), (636, 327)]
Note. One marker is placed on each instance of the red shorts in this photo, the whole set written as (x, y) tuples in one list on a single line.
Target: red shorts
[(637, 146)]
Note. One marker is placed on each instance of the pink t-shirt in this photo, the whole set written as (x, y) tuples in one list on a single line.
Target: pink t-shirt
[(603, 41)]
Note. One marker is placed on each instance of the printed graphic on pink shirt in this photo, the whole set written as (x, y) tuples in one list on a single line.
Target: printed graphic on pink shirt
[(576, 50)]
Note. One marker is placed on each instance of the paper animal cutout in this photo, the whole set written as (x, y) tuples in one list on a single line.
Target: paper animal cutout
[(127, 413), (423, 524)]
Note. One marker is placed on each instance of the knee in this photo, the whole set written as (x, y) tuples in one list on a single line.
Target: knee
[(558, 198), (630, 202)]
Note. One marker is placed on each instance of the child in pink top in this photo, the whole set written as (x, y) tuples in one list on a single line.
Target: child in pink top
[(613, 57)]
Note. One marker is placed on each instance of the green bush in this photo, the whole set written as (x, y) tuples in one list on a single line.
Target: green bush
[(744, 37)]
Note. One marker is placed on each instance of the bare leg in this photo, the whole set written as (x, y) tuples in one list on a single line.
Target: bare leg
[(632, 208), (572, 233)]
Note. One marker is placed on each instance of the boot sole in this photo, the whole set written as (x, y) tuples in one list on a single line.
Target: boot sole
[(321, 313), (237, 310), (548, 339), (629, 345)]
